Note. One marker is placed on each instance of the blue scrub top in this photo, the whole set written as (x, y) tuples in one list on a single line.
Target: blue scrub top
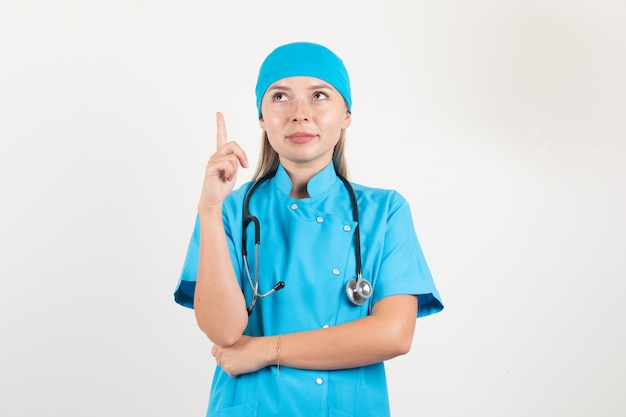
[(309, 244)]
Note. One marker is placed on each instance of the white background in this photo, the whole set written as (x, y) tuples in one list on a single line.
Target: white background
[(502, 122)]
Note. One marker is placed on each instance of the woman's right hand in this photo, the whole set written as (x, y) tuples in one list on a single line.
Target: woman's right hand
[(221, 170)]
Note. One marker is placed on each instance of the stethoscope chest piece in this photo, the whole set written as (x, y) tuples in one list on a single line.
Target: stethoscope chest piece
[(359, 290)]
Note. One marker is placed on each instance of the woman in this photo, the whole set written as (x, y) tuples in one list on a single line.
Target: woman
[(302, 322)]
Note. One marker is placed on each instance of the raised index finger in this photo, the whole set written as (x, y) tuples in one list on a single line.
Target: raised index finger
[(221, 131)]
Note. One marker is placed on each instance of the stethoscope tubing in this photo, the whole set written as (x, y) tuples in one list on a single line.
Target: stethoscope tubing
[(353, 288)]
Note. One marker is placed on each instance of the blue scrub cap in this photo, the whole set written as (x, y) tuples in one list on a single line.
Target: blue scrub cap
[(303, 59)]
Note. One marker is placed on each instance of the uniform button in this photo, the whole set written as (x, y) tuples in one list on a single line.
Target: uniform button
[(319, 381), (320, 219), (336, 271), (347, 228), (294, 206)]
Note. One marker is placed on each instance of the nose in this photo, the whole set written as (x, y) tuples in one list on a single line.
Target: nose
[(301, 110)]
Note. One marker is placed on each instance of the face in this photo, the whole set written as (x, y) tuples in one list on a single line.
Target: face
[(303, 118)]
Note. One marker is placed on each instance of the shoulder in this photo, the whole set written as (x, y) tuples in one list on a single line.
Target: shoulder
[(373, 195), (237, 196), (382, 207), (232, 207), (240, 192)]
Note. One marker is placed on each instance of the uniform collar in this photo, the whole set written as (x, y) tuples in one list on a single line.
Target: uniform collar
[(317, 185)]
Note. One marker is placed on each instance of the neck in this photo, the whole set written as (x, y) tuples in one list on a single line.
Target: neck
[(299, 185), (300, 176)]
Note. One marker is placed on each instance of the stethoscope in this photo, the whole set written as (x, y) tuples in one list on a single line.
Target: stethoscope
[(358, 289)]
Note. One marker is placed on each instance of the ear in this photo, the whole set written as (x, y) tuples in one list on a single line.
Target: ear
[(262, 123), (347, 120)]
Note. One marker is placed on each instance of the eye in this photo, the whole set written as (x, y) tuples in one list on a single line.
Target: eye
[(279, 97), (318, 95)]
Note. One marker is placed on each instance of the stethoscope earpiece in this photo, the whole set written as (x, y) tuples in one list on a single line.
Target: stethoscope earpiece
[(359, 290)]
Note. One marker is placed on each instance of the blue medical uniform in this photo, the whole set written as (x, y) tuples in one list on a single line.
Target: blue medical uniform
[(309, 244)]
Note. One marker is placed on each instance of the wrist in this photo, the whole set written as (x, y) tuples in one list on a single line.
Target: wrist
[(210, 211), (273, 351), (278, 347)]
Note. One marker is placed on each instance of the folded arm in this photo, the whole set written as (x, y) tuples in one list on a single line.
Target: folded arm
[(385, 334)]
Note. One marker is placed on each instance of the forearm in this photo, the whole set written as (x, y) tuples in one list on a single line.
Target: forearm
[(218, 301), (385, 334)]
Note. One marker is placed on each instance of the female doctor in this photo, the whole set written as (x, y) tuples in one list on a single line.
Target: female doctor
[(304, 282)]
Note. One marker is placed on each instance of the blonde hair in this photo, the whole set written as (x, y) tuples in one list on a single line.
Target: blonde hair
[(268, 159)]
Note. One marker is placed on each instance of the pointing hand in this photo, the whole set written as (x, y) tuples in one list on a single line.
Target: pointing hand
[(221, 169)]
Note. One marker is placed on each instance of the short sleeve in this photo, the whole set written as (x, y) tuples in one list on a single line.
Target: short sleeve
[(403, 267), (231, 215), (186, 286)]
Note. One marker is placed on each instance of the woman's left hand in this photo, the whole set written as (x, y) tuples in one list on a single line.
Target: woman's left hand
[(247, 355)]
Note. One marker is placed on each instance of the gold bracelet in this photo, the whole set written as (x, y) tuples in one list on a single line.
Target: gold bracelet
[(278, 356)]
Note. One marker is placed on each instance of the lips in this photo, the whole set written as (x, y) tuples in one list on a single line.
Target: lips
[(301, 137)]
